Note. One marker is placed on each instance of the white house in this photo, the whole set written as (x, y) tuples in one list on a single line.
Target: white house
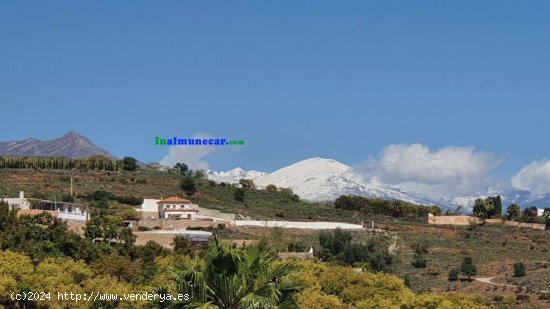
[(177, 208), (62, 210)]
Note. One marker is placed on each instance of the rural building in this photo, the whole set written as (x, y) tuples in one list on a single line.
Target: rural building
[(180, 208), (61, 210), (177, 208)]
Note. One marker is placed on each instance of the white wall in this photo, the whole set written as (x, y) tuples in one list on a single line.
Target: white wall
[(300, 225), (149, 205)]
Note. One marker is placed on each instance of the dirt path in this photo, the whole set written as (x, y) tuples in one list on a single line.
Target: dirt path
[(392, 248), (488, 280)]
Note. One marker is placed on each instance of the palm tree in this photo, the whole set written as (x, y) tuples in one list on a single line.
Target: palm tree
[(232, 278)]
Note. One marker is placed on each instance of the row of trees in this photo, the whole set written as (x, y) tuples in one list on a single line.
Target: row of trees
[(62, 163), (395, 208), (529, 214)]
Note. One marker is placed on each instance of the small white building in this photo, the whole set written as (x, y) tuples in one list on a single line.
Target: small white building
[(62, 210), (177, 208)]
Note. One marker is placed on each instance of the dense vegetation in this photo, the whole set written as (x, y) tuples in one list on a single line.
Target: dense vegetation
[(61, 163), (40, 254), (490, 207), (337, 246), (395, 208)]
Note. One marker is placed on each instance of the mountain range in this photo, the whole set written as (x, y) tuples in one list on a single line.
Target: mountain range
[(71, 145), (315, 179), (320, 179)]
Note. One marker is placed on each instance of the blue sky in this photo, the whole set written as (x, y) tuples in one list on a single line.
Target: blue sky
[(295, 79)]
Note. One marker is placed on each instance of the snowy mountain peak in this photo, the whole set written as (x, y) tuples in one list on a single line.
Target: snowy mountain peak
[(319, 179), (317, 164), (234, 175)]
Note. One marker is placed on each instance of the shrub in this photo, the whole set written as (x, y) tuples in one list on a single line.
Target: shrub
[(129, 200), (188, 185), (453, 274), (143, 228), (519, 269), (522, 297), (156, 227), (182, 245), (498, 298), (407, 281), (296, 247), (239, 194), (67, 198), (419, 261), (420, 248)]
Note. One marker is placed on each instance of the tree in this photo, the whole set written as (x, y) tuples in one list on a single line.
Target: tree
[(519, 269), (496, 210), (188, 185), (468, 267), (453, 274), (67, 198), (200, 174), (182, 245), (246, 183), (237, 278), (271, 188), (129, 164), (239, 194), (483, 208), (182, 168), (513, 212), (530, 214), (130, 214)]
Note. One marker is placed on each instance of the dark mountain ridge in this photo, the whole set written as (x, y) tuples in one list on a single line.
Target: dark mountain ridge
[(71, 145)]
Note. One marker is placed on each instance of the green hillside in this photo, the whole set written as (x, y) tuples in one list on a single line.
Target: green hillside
[(260, 204)]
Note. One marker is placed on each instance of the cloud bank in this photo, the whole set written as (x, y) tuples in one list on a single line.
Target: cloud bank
[(447, 171), (193, 156), (534, 177)]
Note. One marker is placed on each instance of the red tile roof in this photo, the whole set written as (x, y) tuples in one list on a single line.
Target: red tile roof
[(175, 200)]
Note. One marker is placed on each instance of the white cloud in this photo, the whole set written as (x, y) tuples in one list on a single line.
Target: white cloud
[(448, 171), (193, 156), (534, 177)]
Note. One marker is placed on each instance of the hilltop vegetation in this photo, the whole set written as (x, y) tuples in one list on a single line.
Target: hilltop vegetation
[(270, 203), (41, 246)]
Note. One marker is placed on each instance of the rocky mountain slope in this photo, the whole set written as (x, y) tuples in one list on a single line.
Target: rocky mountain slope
[(71, 145)]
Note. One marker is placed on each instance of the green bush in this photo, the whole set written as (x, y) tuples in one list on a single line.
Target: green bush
[(419, 261), (143, 229), (519, 269), (453, 274), (239, 194)]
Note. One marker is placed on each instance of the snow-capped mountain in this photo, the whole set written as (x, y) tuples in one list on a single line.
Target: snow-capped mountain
[(234, 175), (319, 179)]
